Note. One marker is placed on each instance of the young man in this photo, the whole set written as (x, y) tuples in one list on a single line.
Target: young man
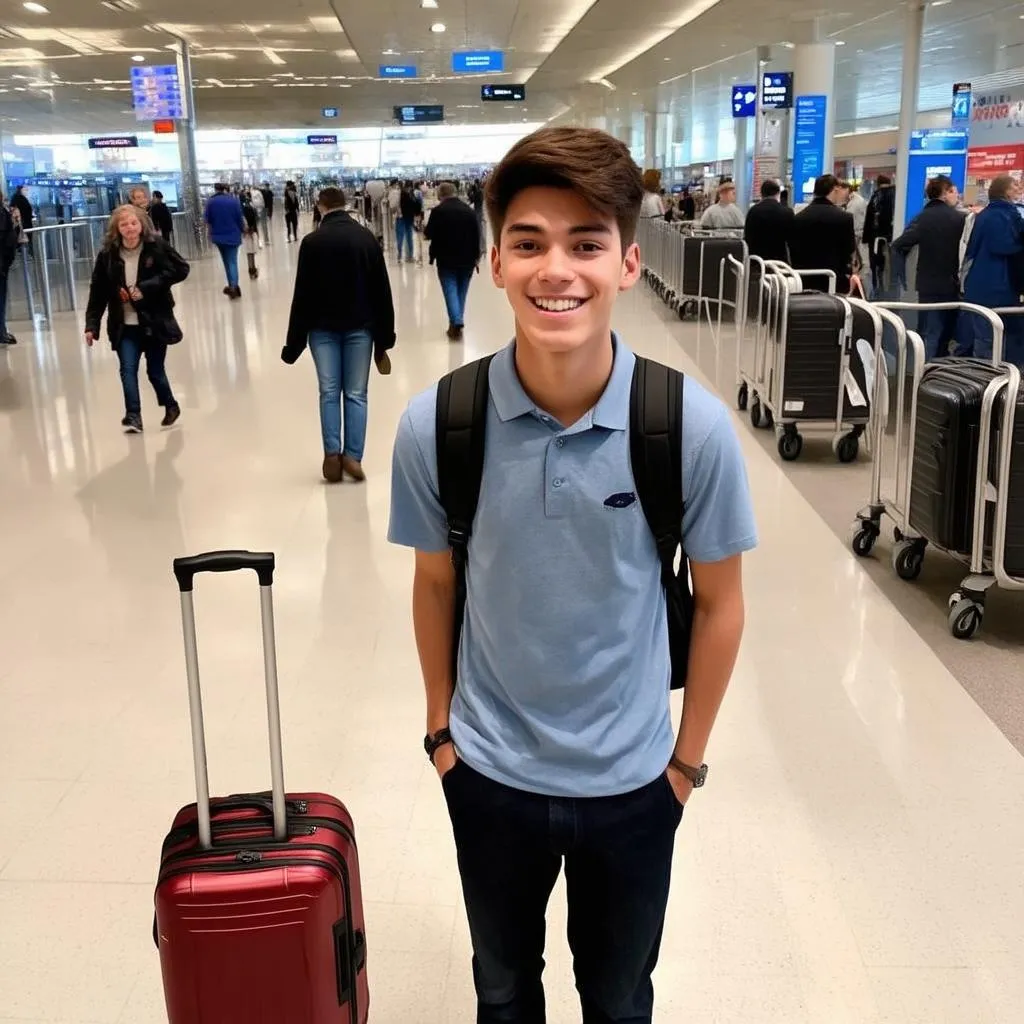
[(557, 741), (822, 236), (226, 225), (342, 309), (454, 236), (725, 213), (160, 215)]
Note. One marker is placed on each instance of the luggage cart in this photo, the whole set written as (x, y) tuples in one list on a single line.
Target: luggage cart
[(986, 561), (847, 424)]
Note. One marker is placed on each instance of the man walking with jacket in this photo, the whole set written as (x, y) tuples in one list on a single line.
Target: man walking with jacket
[(878, 225), (8, 254), (226, 225), (823, 237), (454, 235), (769, 225), (936, 232), (342, 309)]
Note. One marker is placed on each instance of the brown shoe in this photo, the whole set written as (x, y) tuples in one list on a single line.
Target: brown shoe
[(453, 333), (332, 468), (353, 468)]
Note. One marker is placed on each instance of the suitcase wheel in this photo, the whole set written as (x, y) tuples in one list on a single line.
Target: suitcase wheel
[(791, 444), (864, 539), (964, 616), (741, 398), (847, 448), (907, 559)]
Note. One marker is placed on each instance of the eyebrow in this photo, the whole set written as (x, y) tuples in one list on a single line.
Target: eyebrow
[(525, 228)]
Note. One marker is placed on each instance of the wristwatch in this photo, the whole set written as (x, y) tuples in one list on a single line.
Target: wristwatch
[(433, 743), (698, 776)]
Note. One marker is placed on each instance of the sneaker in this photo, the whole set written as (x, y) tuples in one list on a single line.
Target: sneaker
[(332, 468), (132, 423), (171, 416), (353, 468), (454, 333), (227, 290), (9, 339), (236, 293)]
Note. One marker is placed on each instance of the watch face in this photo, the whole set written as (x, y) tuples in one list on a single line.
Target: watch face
[(702, 775)]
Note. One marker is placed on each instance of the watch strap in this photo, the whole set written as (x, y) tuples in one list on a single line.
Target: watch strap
[(695, 775), (434, 742)]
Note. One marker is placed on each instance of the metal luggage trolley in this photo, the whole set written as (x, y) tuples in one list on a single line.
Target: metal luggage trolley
[(987, 560), (657, 240)]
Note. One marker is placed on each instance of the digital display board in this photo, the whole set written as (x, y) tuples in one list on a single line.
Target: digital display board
[(508, 93), (396, 71), (114, 142), (744, 101), (321, 140), (471, 62), (156, 93), (329, 112), (777, 90), (432, 114)]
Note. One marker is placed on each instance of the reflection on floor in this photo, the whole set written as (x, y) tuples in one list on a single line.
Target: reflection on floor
[(855, 859)]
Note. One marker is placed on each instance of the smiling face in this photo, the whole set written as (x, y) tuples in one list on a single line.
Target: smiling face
[(562, 266)]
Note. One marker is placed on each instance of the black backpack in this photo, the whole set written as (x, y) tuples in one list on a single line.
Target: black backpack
[(655, 443)]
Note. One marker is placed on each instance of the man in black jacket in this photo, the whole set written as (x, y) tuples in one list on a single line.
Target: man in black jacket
[(823, 237), (769, 225), (936, 231), (454, 235), (160, 215), (878, 224), (342, 309), (8, 253)]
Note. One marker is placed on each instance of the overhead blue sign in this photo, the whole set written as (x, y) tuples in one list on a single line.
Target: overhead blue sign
[(777, 90), (934, 151), (809, 142), (156, 93), (469, 62), (397, 71), (329, 111), (961, 108), (322, 140), (744, 100)]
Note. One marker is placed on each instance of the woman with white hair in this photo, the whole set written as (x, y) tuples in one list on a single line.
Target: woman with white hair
[(131, 282)]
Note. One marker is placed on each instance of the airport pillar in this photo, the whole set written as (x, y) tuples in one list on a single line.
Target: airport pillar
[(3, 170), (913, 32), (190, 200), (813, 117), (650, 138)]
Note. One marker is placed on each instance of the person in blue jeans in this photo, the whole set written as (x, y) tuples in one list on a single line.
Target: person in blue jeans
[(555, 745), (342, 309), (453, 232), (226, 225), (410, 207)]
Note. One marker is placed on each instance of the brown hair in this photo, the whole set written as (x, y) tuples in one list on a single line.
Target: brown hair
[(1000, 186), (652, 180), (112, 239), (446, 190), (589, 162), (331, 198)]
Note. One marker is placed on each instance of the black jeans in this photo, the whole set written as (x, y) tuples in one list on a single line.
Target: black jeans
[(618, 862), (130, 350)]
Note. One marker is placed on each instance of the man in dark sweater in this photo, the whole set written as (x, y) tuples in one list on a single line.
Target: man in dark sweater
[(936, 232), (341, 308), (454, 235)]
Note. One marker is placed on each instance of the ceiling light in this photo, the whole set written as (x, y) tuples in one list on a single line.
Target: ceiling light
[(274, 58), (666, 58), (35, 8), (138, 58), (430, 4), (840, 42), (438, 26), (942, 3)]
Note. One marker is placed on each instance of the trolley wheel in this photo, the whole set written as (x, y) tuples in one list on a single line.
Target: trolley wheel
[(755, 410), (790, 446), (897, 534), (741, 398), (907, 559), (767, 419), (864, 539), (965, 618), (847, 448)]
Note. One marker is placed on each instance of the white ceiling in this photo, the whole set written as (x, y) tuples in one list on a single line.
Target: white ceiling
[(276, 63)]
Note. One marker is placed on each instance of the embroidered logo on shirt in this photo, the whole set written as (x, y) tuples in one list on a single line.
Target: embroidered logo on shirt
[(621, 500)]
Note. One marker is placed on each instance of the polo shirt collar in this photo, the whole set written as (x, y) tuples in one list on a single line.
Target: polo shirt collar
[(611, 411)]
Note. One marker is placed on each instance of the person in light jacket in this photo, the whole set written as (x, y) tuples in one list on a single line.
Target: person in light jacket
[(725, 213)]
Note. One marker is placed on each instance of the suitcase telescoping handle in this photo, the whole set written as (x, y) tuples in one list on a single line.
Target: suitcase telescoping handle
[(185, 569)]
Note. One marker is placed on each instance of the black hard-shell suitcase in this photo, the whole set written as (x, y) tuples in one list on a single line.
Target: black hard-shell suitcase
[(703, 279), (946, 451), (817, 336)]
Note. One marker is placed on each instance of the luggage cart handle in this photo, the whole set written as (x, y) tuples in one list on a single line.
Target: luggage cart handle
[(261, 562), (184, 571)]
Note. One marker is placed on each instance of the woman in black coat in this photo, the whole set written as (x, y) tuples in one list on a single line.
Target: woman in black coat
[(132, 282)]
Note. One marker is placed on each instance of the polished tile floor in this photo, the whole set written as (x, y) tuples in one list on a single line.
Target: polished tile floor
[(856, 858)]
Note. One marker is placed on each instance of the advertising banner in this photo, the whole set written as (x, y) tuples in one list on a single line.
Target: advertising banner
[(808, 143)]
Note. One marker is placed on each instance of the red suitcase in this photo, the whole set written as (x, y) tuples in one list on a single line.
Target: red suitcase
[(259, 913)]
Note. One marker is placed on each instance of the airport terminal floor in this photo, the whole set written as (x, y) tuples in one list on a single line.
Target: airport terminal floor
[(855, 858)]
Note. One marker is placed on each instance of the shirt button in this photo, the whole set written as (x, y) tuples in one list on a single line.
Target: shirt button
[(560, 442), (556, 482)]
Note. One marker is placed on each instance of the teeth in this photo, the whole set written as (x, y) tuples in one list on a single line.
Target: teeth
[(558, 305)]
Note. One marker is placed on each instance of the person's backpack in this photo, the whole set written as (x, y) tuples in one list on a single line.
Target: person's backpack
[(655, 447)]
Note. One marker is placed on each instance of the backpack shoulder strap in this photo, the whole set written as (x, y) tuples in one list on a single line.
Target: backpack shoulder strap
[(461, 427), (656, 452), (656, 455)]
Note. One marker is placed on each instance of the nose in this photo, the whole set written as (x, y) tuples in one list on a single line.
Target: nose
[(556, 265)]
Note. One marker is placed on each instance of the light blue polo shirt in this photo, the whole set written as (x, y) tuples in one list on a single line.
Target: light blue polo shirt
[(564, 665)]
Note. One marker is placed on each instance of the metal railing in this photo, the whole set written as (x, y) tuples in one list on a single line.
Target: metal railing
[(56, 258)]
